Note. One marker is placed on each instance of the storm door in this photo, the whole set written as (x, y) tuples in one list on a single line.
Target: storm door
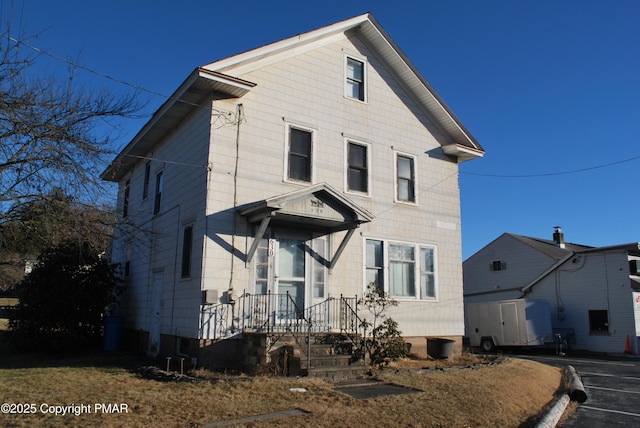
[(295, 265), (290, 277)]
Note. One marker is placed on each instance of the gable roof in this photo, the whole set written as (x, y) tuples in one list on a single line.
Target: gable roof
[(549, 247), (215, 77), (372, 33)]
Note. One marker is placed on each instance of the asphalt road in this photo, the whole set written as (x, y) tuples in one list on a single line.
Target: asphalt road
[(612, 385)]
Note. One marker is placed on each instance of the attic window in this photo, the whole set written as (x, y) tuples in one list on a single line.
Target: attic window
[(355, 79), (497, 265), (634, 267)]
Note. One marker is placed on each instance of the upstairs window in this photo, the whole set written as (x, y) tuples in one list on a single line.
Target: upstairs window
[(147, 177), (405, 178), (355, 82), (299, 154), (357, 167), (125, 202), (158, 197)]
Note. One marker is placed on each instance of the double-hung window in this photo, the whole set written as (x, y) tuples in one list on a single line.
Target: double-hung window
[(299, 154), (405, 178), (158, 194), (125, 202), (402, 270), (355, 79), (187, 247), (147, 176), (357, 167), (375, 268)]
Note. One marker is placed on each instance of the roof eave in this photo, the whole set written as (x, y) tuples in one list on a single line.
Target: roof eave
[(190, 95), (461, 152)]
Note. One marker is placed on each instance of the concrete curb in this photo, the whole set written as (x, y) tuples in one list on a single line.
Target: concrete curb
[(574, 391)]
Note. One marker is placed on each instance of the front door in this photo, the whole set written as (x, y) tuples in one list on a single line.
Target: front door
[(290, 277), (293, 267)]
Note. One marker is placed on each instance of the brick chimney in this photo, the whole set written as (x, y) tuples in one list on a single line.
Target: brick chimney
[(558, 237)]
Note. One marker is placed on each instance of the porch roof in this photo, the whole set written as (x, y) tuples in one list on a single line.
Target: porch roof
[(319, 208)]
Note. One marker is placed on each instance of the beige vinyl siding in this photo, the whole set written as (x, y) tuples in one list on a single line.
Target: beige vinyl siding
[(309, 89)]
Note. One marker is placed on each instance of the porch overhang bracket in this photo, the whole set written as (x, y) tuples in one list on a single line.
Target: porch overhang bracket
[(342, 246), (259, 234)]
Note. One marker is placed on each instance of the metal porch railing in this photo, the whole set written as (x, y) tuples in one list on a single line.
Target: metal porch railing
[(280, 314)]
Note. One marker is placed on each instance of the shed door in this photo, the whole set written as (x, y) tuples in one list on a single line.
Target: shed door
[(510, 329)]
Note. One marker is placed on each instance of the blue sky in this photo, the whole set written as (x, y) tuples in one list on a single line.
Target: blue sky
[(549, 88)]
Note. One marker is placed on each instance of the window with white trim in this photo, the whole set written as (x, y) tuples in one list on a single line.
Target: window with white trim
[(403, 270), (374, 266), (299, 156), (158, 193), (147, 178), (355, 79), (405, 167), (357, 167), (187, 249), (125, 202)]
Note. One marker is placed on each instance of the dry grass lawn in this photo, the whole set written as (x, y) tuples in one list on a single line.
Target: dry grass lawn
[(510, 394)]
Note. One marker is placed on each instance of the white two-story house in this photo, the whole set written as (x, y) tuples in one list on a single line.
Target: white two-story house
[(282, 179)]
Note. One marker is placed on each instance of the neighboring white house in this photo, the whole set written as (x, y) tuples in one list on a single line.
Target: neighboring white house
[(593, 291), (306, 168)]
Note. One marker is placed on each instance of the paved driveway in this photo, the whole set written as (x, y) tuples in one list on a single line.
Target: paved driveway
[(613, 389)]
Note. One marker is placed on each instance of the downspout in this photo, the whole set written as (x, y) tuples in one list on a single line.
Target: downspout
[(235, 202), (205, 240)]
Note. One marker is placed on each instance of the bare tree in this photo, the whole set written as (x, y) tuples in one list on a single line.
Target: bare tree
[(49, 135)]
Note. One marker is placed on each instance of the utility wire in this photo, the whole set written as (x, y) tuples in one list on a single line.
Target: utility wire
[(106, 76), (551, 173)]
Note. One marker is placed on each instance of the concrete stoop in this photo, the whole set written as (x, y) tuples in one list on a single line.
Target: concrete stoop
[(323, 362)]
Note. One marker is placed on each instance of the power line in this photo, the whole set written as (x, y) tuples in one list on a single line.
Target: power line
[(114, 79), (551, 173)]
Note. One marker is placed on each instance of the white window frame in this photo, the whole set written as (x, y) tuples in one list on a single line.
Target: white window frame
[(146, 180), (126, 198), (395, 177), (386, 265), (348, 141), (157, 193), (187, 253), (313, 132), (365, 77)]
